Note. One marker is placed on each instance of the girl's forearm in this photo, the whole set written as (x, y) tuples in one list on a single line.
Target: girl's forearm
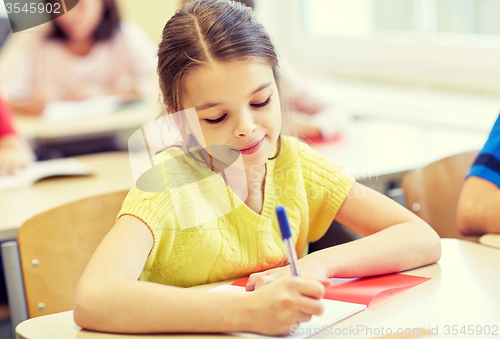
[(397, 248), (145, 307)]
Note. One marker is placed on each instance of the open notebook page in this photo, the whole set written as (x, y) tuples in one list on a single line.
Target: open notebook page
[(43, 169), (334, 311)]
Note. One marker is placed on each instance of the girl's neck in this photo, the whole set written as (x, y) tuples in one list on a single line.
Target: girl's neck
[(256, 179), (247, 184), (255, 175), (80, 47)]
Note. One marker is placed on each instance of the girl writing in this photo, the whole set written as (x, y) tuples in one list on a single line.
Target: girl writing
[(216, 58)]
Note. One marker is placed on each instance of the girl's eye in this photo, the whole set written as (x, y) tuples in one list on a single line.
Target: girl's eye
[(262, 104), (215, 120)]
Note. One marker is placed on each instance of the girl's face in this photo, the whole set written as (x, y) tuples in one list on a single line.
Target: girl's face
[(82, 20), (237, 105)]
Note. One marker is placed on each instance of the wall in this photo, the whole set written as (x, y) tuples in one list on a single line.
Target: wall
[(151, 15)]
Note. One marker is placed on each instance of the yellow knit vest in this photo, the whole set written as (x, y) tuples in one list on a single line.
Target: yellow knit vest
[(203, 233)]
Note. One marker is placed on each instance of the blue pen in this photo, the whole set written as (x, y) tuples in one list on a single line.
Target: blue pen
[(287, 239)]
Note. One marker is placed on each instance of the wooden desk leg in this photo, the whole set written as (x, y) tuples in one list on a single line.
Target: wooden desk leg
[(14, 283)]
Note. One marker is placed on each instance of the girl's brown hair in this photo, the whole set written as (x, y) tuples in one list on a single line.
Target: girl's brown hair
[(210, 30)]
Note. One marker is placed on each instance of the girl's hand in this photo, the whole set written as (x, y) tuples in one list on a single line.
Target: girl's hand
[(310, 267), (288, 301)]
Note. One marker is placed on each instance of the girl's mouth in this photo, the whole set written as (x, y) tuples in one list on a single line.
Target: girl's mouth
[(252, 148)]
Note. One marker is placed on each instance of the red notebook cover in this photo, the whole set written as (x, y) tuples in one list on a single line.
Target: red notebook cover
[(363, 290)]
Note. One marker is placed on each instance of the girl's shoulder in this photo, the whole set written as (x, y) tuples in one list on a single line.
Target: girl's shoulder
[(172, 164), (154, 182), (292, 147), (296, 153)]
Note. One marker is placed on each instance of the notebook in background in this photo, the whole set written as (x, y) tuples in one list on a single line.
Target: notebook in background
[(43, 169), (82, 109), (334, 311)]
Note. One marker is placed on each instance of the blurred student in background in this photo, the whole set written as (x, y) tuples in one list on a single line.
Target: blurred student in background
[(85, 53), (314, 117), (478, 207), (15, 153)]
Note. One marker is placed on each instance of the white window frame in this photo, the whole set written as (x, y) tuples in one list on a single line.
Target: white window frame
[(449, 60)]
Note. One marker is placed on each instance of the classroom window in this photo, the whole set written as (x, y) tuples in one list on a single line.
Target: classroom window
[(357, 17), (468, 16), (416, 17), (443, 43)]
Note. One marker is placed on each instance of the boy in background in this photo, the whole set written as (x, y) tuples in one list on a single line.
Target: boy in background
[(478, 211)]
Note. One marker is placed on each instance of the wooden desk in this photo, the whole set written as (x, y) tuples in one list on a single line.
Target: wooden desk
[(373, 148), (464, 291), (492, 240), (379, 153), (131, 118), (111, 173)]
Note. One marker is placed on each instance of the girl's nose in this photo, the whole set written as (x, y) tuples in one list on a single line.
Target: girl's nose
[(246, 125)]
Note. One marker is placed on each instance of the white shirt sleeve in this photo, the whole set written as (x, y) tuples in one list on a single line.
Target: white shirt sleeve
[(142, 54)]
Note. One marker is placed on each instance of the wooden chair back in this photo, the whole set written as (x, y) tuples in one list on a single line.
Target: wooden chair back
[(55, 247), (432, 193)]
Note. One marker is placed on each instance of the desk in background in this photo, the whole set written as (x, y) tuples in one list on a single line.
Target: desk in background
[(129, 118), (111, 173), (377, 152), (463, 291), (415, 105), (104, 132)]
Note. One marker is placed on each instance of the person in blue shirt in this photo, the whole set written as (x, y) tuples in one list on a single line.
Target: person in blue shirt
[(478, 207)]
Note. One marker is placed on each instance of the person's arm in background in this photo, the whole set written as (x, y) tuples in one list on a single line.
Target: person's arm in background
[(34, 105), (478, 208), (15, 153), (141, 53)]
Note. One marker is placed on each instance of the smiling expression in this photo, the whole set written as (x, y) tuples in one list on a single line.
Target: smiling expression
[(237, 105)]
